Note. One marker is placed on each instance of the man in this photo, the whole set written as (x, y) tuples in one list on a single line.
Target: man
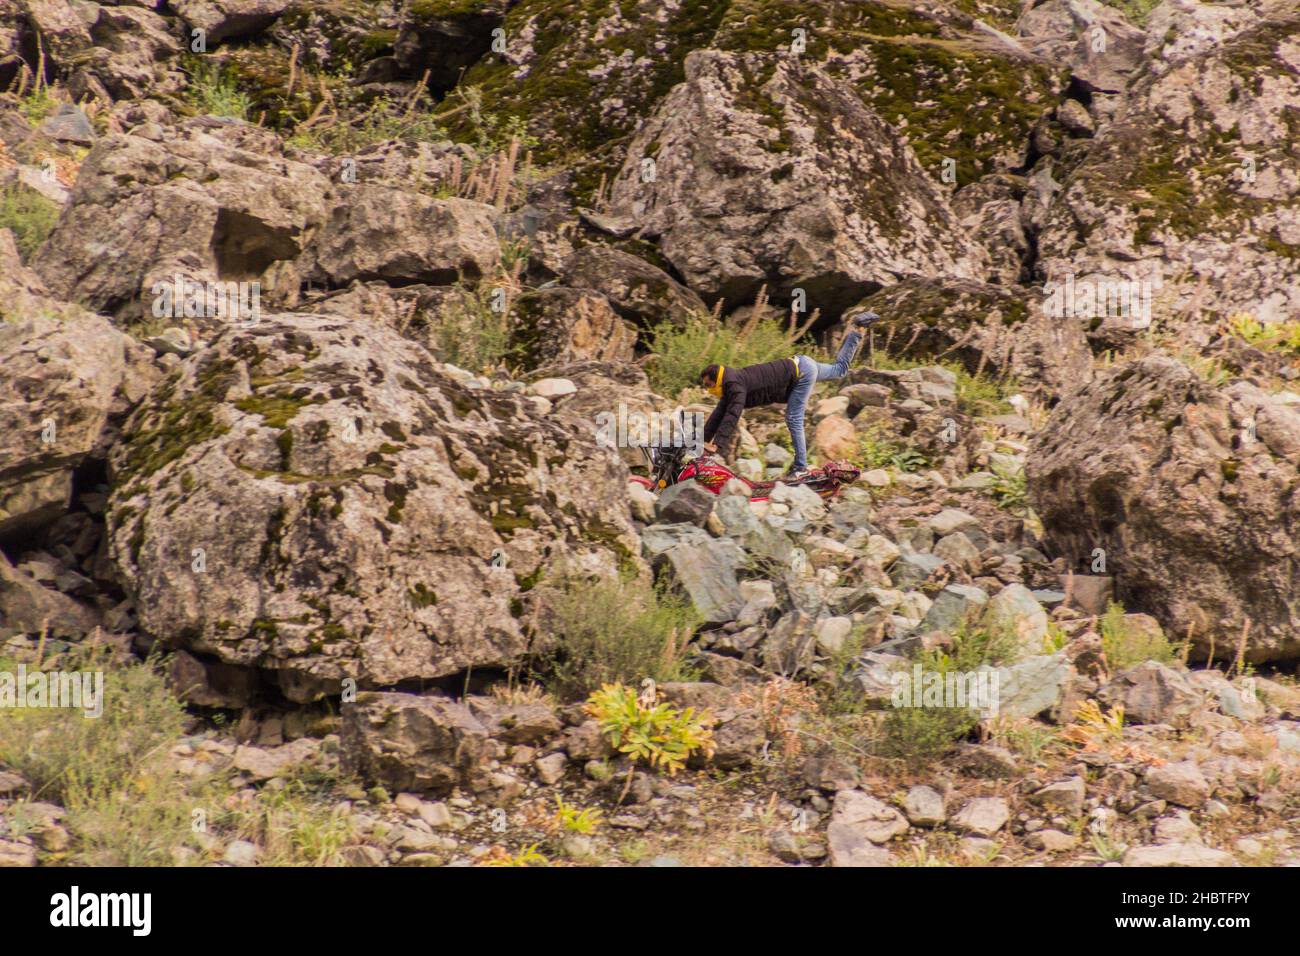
[(770, 383)]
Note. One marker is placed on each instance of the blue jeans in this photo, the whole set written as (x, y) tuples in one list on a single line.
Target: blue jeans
[(810, 373)]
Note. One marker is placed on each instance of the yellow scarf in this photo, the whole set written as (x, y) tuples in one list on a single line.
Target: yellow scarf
[(716, 388)]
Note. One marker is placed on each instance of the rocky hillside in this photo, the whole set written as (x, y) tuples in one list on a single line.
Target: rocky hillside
[(330, 331)]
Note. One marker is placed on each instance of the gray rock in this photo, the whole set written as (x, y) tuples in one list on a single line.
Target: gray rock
[(550, 769), (913, 568), (1152, 693), (1181, 783), (872, 819), (408, 743), (240, 853), (951, 606), (982, 816), (69, 125), (706, 569), (1033, 685), (1016, 607), (1051, 841), (1178, 854), (924, 807), (687, 501), (952, 519), (1090, 593), (1065, 796)]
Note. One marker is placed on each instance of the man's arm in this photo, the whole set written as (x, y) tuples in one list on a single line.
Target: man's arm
[(715, 419), (731, 406)]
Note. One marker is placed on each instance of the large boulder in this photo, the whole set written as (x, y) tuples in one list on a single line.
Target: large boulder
[(1188, 489), (1190, 194), (63, 381), (1001, 331), (211, 200), (747, 187), (408, 743), (638, 291), (135, 53), (560, 325), (1097, 42), (316, 496), (401, 236), (229, 19)]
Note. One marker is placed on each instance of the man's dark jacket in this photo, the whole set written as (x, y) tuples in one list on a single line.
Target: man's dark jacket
[(748, 387)]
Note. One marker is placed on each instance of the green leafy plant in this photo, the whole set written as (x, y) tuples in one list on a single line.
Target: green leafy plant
[(572, 820), (527, 856), (1269, 336), (214, 93), (1010, 488), (683, 351), (38, 104), (919, 734), (615, 631), (1126, 644), (878, 449), (29, 215), (659, 735)]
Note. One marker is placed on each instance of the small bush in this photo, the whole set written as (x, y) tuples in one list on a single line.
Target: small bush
[(1125, 645), (127, 803), (659, 735), (1269, 336), (380, 120), (569, 819), (38, 105), (610, 632), (59, 750), (976, 394), (216, 94), (681, 353), (920, 734), (467, 331), (29, 215), (878, 449), (1010, 489)]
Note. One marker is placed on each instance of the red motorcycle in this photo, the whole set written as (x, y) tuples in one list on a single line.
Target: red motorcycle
[(670, 465)]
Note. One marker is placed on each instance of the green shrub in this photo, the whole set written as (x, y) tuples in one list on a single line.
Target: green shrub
[(609, 632), (214, 93), (38, 104), (29, 215), (976, 394), (1126, 645), (1010, 488), (1136, 11), (467, 331), (380, 120), (920, 734), (126, 801), (682, 352), (878, 449), (59, 749), (659, 735)]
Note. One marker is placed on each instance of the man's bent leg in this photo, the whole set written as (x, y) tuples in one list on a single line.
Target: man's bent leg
[(841, 366), (795, 407)]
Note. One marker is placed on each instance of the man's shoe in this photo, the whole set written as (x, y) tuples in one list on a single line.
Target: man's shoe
[(863, 319), (794, 476)]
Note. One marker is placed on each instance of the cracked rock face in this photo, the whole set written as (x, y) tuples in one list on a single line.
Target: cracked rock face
[(315, 496), (211, 200), (1189, 490), (1193, 187), (763, 171)]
